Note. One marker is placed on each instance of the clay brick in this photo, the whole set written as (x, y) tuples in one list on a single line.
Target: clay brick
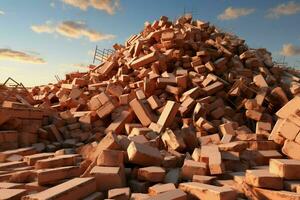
[(107, 67), (170, 195), (53, 176), (212, 156), (114, 177), (144, 60), (253, 114), (264, 179), (111, 158), (167, 116), (12, 194), (22, 152), (291, 149), (285, 168), (288, 130), (191, 168), (161, 188), (289, 108), (204, 191), (233, 146), (32, 159), (106, 109), (173, 141), (227, 128), (273, 194), (144, 115), (118, 125), (119, 193), (203, 179), (152, 174), (144, 155), (154, 102), (59, 161), (213, 88), (76, 189), (260, 81)]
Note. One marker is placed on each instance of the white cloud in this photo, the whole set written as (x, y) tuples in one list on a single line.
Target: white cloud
[(9, 54), (234, 13), (72, 29), (290, 50), (109, 6), (2, 12), (52, 4), (44, 28), (289, 8)]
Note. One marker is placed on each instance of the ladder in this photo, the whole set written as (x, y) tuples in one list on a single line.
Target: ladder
[(102, 54)]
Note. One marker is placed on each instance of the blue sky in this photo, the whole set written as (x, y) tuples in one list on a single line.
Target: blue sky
[(43, 38)]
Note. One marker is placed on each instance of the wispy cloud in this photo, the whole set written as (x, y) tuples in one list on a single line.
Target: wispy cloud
[(234, 13), (109, 6), (9, 54), (290, 50), (72, 29), (2, 12), (289, 8), (44, 28)]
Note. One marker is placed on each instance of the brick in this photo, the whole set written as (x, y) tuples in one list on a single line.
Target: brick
[(285, 168), (213, 88), (106, 109), (161, 188), (21, 151), (253, 114), (107, 67), (273, 194), (118, 125), (288, 130), (264, 179), (260, 81), (144, 60), (212, 156), (119, 193), (11, 194), (152, 174), (111, 158), (59, 161), (227, 128), (144, 115), (191, 168), (170, 195), (76, 189), (204, 191), (130, 126), (234, 146), (114, 177), (291, 149), (154, 102), (53, 176), (203, 179), (53, 130), (32, 159), (144, 155), (173, 141), (167, 116), (289, 108)]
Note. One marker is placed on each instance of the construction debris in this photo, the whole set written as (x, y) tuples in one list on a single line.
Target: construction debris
[(180, 111)]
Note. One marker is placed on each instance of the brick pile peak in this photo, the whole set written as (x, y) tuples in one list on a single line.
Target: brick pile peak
[(181, 111)]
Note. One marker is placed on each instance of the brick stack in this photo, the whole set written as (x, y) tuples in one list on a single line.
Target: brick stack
[(180, 111)]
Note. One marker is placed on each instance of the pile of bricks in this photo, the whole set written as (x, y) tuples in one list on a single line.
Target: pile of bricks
[(180, 111)]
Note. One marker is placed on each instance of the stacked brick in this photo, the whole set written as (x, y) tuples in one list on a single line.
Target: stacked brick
[(180, 111)]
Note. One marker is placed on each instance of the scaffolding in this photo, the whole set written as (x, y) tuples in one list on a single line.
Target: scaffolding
[(102, 55)]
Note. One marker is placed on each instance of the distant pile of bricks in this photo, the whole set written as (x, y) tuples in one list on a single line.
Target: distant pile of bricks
[(180, 111)]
